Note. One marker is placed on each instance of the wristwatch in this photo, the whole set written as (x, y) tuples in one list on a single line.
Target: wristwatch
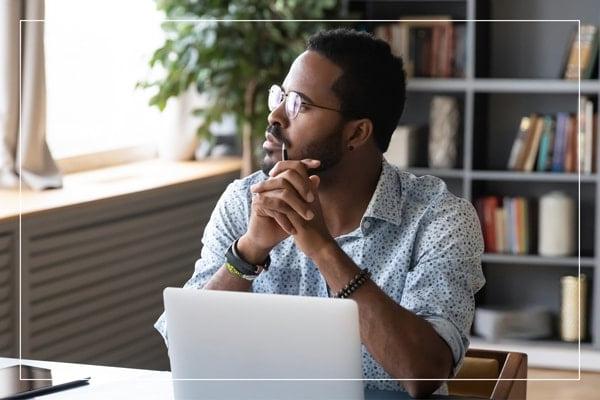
[(240, 268)]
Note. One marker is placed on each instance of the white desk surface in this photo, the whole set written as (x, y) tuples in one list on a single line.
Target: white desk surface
[(106, 382), (110, 383)]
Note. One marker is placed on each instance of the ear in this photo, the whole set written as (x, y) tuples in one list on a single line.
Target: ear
[(359, 132)]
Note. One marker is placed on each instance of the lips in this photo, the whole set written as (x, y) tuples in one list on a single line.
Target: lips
[(271, 144), (268, 146)]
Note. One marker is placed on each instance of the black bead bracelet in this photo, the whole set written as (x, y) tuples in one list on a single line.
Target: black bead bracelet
[(354, 284)]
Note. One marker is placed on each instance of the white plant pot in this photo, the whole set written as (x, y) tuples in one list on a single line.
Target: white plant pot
[(179, 141)]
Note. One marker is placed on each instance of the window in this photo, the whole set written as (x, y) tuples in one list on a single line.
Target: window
[(96, 51)]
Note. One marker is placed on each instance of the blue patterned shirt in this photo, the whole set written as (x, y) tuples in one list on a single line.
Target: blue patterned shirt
[(422, 244)]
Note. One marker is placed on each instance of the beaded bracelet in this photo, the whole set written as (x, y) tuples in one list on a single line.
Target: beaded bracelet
[(354, 284)]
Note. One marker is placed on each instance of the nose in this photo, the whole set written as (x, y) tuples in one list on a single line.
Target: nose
[(279, 116)]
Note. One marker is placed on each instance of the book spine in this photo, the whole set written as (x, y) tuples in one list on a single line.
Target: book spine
[(523, 154), (499, 217), (490, 203), (558, 153), (590, 50), (535, 144), (589, 137), (519, 143), (571, 145), (526, 232), (545, 145)]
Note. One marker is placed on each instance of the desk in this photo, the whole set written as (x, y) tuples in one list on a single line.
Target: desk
[(126, 383)]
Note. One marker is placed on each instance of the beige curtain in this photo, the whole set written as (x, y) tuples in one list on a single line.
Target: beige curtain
[(23, 147)]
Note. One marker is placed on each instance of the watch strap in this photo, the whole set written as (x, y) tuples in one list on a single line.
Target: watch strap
[(245, 268)]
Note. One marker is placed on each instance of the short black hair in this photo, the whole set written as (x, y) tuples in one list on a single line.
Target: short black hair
[(373, 84)]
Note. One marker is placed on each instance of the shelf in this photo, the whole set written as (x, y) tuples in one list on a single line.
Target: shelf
[(440, 173), (490, 85), (482, 175), (531, 176), (537, 260), (547, 353), (535, 86), (436, 85)]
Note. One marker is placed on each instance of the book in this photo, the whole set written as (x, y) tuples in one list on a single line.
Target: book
[(490, 203), (524, 153), (594, 141), (500, 229), (534, 144), (544, 159), (460, 50), (570, 155), (519, 143), (559, 142), (589, 53), (522, 225), (526, 236), (589, 142), (510, 225), (420, 50)]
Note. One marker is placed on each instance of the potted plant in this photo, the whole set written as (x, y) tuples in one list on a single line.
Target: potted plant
[(232, 63)]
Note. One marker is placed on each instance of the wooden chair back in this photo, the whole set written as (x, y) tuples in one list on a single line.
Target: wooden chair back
[(494, 366)]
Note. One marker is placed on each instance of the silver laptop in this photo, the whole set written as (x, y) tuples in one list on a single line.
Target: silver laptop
[(232, 345)]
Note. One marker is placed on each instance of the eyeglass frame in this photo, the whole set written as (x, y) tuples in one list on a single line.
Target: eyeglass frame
[(302, 102)]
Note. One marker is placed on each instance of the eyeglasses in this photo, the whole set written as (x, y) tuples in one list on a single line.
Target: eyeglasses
[(293, 102)]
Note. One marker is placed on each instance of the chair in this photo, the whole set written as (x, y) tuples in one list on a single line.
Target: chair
[(494, 365)]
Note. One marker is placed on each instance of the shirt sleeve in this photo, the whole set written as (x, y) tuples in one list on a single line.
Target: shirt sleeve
[(227, 222), (446, 272)]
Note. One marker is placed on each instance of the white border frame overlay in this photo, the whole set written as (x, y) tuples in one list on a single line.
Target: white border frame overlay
[(347, 379)]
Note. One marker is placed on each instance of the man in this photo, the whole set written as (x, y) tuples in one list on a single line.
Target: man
[(336, 208)]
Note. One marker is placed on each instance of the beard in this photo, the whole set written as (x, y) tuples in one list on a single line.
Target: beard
[(328, 150)]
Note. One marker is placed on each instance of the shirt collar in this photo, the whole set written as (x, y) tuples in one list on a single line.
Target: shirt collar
[(386, 202)]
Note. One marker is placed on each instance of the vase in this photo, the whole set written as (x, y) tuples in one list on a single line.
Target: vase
[(179, 141)]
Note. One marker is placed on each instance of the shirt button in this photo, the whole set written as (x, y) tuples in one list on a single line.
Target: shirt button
[(366, 225)]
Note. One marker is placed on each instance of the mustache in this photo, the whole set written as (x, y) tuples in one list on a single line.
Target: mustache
[(277, 132)]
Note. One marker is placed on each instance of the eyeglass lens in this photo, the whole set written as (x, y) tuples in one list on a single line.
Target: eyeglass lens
[(292, 101)]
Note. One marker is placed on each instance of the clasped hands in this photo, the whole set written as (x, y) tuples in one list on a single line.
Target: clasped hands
[(287, 203)]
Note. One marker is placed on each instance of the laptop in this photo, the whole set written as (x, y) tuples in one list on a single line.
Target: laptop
[(238, 345)]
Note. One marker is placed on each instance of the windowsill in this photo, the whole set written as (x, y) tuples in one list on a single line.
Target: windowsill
[(99, 184)]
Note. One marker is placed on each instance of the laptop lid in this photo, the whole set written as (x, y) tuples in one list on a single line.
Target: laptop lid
[(286, 342)]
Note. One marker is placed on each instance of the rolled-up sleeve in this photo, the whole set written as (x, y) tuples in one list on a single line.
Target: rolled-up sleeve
[(228, 222), (446, 272)]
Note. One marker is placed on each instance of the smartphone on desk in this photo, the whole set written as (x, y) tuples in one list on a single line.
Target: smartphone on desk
[(32, 382)]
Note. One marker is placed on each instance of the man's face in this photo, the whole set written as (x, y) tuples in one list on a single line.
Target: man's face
[(315, 132)]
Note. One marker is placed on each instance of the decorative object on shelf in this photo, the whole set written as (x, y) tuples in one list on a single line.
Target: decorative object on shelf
[(403, 150), (589, 53), (444, 118), (528, 323), (573, 308), (556, 225)]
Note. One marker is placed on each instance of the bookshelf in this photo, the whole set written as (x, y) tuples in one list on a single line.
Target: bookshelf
[(513, 69)]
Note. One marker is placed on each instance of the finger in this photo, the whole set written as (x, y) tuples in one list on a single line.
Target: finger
[(296, 220), (284, 223), (286, 201), (287, 179), (315, 181), (299, 165)]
